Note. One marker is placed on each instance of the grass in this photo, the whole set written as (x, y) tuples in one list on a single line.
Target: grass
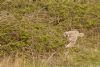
[(31, 33)]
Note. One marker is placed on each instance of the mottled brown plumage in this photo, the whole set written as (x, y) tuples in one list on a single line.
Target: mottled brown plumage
[(72, 37)]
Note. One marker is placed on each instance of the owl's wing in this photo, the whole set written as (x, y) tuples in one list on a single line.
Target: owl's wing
[(81, 34)]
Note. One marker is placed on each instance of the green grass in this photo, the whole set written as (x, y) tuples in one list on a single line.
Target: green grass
[(33, 31)]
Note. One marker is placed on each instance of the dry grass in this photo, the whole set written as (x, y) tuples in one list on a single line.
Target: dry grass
[(35, 62)]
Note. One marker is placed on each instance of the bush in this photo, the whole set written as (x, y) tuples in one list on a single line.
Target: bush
[(38, 26)]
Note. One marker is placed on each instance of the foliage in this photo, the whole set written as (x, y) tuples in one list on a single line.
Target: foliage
[(31, 27)]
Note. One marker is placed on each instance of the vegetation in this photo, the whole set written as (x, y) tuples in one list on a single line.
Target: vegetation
[(33, 30)]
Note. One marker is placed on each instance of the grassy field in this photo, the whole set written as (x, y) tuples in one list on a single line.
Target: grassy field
[(31, 33)]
